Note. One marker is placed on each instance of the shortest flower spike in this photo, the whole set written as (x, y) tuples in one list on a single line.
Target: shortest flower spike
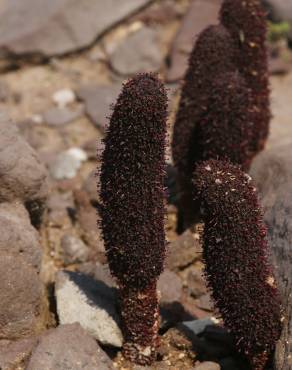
[(235, 253)]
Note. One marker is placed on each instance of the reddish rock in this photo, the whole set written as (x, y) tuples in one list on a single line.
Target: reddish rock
[(68, 347), (183, 251), (201, 14), (17, 236), (22, 176), (22, 305), (14, 355)]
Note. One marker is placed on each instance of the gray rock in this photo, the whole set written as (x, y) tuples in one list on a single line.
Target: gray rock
[(61, 116), (22, 176), (279, 10), (98, 101), (56, 27), (14, 355), (183, 251), (139, 52), (198, 326), (281, 124), (68, 347), (22, 310), (17, 236), (201, 14), (91, 303), (73, 250), (271, 170), (67, 163), (208, 365)]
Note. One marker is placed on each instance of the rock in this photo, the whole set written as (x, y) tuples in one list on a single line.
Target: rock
[(17, 236), (56, 27), (207, 365), (170, 287), (138, 52), (90, 187), (204, 302), (15, 355), (90, 303), (22, 310), (67, 163), (98, 271), (195, 282), (88, 218), (198, 326), (4, 91), (98, 101), (64, 97), (94, 149), (60, 206), (68, 347), (201, 14), (73, 250), (22, 176), (61, 116), (271, 170), (281, 125), (278, 10), (185, 250)]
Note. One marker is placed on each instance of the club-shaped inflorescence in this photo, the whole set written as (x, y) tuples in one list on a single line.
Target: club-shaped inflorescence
[(133, 208), (236, 257)]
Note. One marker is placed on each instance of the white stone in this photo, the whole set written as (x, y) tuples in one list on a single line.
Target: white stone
[(89, 302), (64, 97)]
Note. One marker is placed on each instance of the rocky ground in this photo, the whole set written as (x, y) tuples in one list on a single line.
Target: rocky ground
[(62, 65)]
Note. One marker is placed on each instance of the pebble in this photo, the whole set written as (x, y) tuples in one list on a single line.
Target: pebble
[(57, 116), (74, 250), (64, 97), (67, 163)]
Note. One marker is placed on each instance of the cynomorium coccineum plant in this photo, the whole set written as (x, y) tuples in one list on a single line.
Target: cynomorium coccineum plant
[(235, 253), (214, 115), (246, 22), (133, 210), (235, 46)]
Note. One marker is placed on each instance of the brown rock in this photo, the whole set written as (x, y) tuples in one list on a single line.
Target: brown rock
[(207, 365), (201, 14), (22, 309), (68, 347), (170, 287), (87, 218), (14, 355), (195, 282), (183, 251), (17, 236), (22, 176)]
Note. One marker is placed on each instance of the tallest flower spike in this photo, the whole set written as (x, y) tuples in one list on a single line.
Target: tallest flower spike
[(133, 209), (246, 22)]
